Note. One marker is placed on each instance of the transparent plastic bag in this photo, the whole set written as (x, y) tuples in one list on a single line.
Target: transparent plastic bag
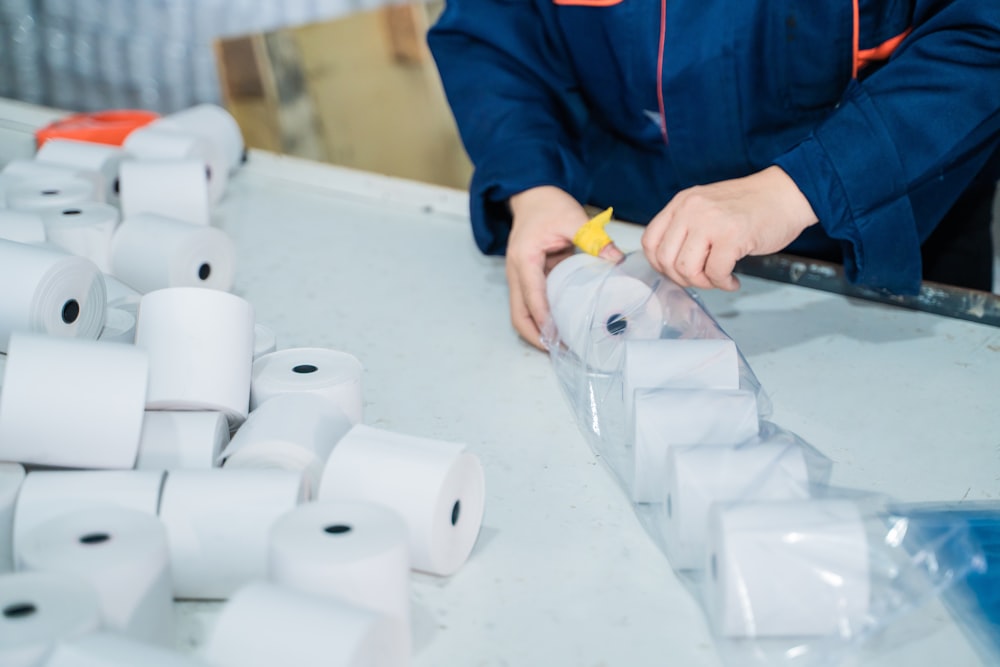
[(788, 570), (807, 582)]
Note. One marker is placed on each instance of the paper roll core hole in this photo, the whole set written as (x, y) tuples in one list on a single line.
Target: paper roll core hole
[(117, 186), (49, 193), (70, 311), (337, 529), (94, 538), (208, 173), (455, 509), (72, 211), (616, 324), (19, 610), (304, 369), (204, 271)]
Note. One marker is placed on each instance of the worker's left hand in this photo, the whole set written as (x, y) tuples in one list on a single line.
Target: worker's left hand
[(698, 237)]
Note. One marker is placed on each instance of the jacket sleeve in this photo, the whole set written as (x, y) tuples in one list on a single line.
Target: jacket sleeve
[(904, 143), (512, 92)]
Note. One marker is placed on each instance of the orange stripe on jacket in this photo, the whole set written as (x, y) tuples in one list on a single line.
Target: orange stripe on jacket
[(588, 3), (863, 58)]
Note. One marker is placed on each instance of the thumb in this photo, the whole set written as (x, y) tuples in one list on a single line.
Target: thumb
[(611, 253)]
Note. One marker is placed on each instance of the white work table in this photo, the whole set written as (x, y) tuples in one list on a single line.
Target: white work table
[(904, 403)]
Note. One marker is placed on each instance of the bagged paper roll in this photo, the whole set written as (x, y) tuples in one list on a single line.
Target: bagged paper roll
[(150, 252), (72, 403), (50, 292), (353, 551), (666, 418), (265, 625), (107, 649), (37, 194), (333, 375), (678, 364), (83, 229), (101, 158), (182, 440), (200, 345), (170, 188), (123, 554), (40, 609), (218, 523), (291, 432), (698, 477), (49, 494), (21, 226), (265, 341), (787, 569), (213, 123), (596, 311), (11, 478), (437, 487), (160, 142), (119, 325)]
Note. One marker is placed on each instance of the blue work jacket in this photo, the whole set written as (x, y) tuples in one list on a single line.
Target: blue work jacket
[(882, 111)]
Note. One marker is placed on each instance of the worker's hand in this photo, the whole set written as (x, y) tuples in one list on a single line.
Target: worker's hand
[(698, 237), (545, 220)]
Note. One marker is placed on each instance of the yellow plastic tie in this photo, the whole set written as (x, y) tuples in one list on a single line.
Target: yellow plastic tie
[(591, 237)]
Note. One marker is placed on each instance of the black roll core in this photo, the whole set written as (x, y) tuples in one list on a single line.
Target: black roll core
[(70, 311), (19, 610), (455, 510), (94, 538), (72, 211), (304, 369), (617, 324), (337, 529), (204, 271)]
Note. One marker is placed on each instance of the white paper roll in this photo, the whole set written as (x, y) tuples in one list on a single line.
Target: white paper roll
[(37, 194), (123, 554), (290, 432), (182, 440), (356, 552), (84, 229), (49, 494), (265, 341), (333, 375), (72, 403), (119, 325), (50, 292), (437, 487), (218, 523), (150, 252), (91, 156), (200, 345), (787, 569), (11, 478), (161, 142), (666, 418), (265, 625), (120, 294), (212, 123), (40, 609), (107, 649), (21, 226), (17, 172), (171, 188), (678, 364), (596, 311), (698, 477)]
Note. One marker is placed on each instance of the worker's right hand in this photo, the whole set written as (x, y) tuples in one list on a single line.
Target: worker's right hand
[(545, 221)]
